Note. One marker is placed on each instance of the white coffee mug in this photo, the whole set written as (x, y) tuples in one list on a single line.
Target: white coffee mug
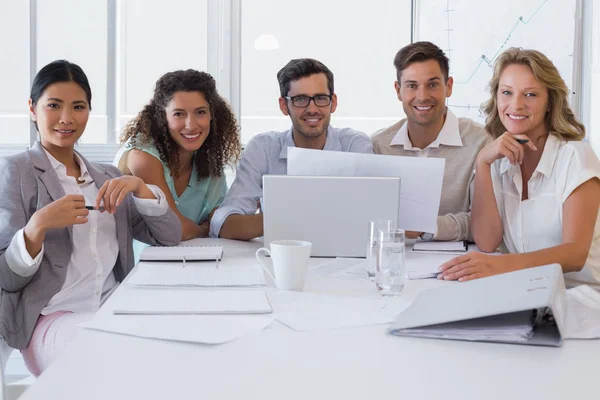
[(289, 259)]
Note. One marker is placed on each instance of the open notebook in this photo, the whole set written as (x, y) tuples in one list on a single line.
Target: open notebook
[(181, 252), (192, 302)]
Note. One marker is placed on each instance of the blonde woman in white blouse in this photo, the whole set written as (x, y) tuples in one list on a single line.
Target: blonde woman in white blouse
[(537, 186)]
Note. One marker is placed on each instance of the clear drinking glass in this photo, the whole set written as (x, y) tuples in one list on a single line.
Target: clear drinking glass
[(389, 275), (372, 243)]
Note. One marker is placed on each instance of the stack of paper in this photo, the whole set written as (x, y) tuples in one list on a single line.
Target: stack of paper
[(191, 302), (423, 266), (155, 274), (511, 328)]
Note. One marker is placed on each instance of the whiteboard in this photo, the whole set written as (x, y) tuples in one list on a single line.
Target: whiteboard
[(473, 33)]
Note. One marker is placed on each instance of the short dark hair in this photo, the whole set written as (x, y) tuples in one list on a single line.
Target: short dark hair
[(300, 68), (59, 71), (418, 52)]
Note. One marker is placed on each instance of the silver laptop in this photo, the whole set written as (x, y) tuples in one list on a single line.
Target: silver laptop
[(332, 213)]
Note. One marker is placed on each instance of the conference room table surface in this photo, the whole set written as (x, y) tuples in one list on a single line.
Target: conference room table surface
[(348, 363)]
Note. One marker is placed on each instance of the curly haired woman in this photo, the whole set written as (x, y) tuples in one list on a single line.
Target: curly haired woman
[(181, 142)]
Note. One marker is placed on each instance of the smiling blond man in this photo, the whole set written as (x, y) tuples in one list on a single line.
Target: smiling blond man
[(430, 129)]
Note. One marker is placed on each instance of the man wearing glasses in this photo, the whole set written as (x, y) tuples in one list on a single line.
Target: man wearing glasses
[(308, 98)]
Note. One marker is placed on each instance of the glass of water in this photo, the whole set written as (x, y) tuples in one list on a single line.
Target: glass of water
[(373, 240), (389, 275)]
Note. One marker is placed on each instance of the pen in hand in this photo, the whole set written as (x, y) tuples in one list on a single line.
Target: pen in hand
[(91, 208)]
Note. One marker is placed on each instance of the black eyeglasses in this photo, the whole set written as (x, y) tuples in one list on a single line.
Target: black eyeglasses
[(320, 100)]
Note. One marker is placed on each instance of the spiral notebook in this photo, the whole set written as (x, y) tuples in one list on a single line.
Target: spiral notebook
[(181, 252)]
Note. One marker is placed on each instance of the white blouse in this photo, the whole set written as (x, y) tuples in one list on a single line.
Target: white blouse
[(536, 223), (89, 279)]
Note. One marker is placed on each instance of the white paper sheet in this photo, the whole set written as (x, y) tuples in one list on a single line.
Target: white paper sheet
[(206, 329), (352, 269), (420, 179), (191, 302), (157, 274), (582, 315), (309, 311), (424, 265)]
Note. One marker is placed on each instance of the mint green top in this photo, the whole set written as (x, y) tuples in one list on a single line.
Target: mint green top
[(198, 199)]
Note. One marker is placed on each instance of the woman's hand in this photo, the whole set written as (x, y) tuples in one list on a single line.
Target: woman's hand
[(473, 266), (66, 211), (114, 191), (505, 146)]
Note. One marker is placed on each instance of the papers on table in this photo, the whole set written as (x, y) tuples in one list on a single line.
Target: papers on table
[(309, 311), (157, 274), (582, 316), (190, 302), (341, 268), (206, 329), (425, 265), (420, 179), (512, 328)]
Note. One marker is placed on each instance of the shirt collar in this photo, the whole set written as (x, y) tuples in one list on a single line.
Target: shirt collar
[(546, 163), (332, 142), (62, 169), (448, 136)]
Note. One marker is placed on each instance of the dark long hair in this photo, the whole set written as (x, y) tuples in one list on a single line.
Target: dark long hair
[(222, 146)]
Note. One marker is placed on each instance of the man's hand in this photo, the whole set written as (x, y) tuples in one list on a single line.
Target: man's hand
[(412, 234)]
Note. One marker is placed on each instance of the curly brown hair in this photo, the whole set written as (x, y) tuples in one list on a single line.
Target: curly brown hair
[(222, 146)]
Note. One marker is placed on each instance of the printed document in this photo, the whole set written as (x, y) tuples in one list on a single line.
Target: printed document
[(420, 179)]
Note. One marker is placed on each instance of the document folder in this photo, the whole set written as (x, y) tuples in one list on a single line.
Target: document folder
[(521, 307)]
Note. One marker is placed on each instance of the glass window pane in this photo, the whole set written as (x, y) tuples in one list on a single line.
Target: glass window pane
[(358, 48), (14, 72), (463, 31), (80, 37), (157, 37)]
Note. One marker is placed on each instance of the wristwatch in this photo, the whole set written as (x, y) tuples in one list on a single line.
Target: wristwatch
[(426, 236)]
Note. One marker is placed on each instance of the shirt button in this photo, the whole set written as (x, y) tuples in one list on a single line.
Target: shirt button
[(93, 230), (95, 255), (97, 293)]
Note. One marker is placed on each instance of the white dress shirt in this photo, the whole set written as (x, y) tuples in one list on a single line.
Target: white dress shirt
[(536, 223), (89, 279)]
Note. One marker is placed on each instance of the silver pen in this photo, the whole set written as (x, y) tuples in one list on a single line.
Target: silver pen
[(183, 261), (217, 262)]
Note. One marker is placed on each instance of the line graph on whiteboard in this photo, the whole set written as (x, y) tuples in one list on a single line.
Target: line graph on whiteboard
[(473, 34)]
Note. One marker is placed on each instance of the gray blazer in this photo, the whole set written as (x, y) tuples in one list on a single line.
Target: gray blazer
[(27, 183)]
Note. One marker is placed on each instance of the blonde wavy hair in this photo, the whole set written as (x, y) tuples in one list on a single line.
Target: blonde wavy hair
[(560, 119)]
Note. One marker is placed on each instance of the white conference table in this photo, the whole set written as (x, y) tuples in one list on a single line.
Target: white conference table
[(349, 363)]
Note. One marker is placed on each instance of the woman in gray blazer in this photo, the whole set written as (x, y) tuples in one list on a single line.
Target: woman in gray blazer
[(67, 223)]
